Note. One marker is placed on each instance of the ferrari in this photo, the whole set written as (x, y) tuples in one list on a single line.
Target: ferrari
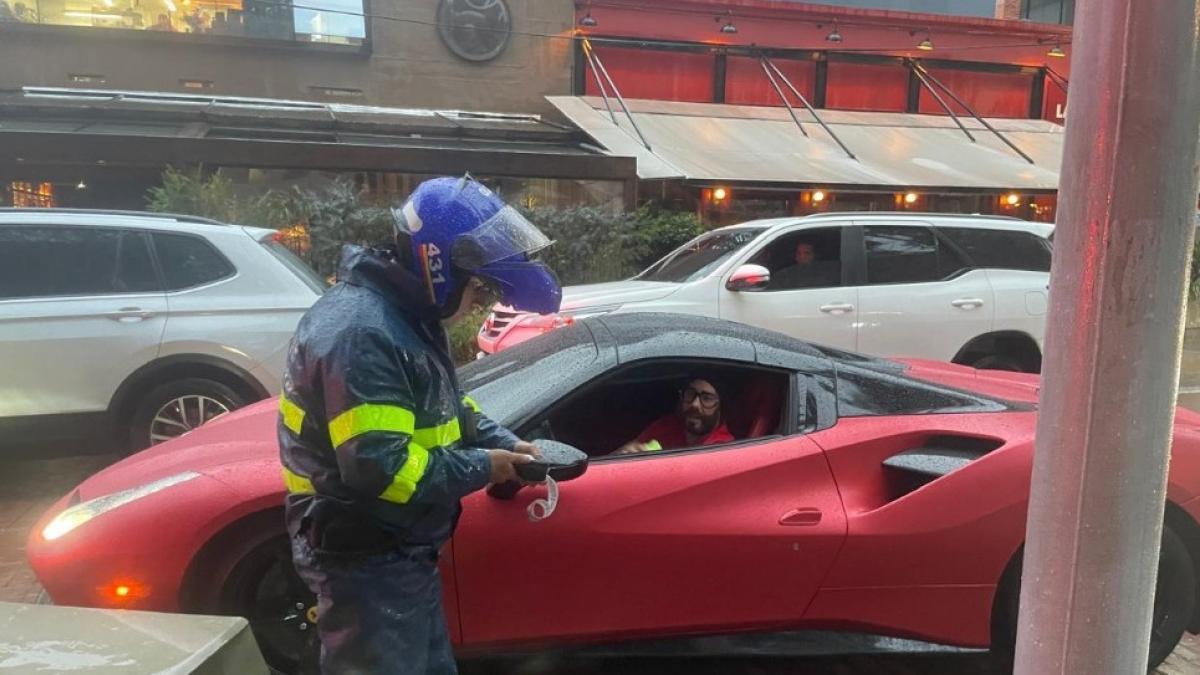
[(859, 496)]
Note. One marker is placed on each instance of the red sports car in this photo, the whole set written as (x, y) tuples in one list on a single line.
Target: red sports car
[(861, 496)]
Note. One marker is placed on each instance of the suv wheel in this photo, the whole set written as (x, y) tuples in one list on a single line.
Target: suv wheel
[(174, 408)]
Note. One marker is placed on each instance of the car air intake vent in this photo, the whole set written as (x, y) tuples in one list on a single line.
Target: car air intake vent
[(911, 469), (497, 322)]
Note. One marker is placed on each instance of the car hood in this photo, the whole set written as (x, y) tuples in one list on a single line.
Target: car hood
[(614, 293), (243, 436)]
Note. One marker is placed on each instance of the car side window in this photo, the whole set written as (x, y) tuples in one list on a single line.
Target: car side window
[(806, 259), (906, 255), (1002, 249), (188, 261), (51, 261)]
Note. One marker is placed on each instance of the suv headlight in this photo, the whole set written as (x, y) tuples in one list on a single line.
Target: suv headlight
[(79, 514)]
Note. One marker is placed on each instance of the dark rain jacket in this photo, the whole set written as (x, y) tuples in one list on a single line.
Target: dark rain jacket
[(378, 442)]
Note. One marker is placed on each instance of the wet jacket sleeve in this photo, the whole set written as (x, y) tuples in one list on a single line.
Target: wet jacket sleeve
[(489, 434), (370, 404)]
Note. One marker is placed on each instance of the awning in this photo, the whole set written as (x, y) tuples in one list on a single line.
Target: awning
[(717, 143)]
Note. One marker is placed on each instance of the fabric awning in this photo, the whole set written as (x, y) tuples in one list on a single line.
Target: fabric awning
[(707, 142)]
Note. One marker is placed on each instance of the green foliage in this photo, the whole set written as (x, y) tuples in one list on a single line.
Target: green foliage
[(335, 215), (213, 196), (662, 231), (462, 336)]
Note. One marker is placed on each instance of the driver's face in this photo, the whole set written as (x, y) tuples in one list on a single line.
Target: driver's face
[(805, 254), (700, 407)]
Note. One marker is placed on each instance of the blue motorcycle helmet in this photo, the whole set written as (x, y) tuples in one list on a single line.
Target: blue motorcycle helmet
[(456, 228)]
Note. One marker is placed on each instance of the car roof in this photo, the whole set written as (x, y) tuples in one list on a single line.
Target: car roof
[(107, 218), (907, 217)]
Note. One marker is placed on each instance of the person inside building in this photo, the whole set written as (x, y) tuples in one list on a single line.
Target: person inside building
[(806, 270), (696, 421), (377, 440)]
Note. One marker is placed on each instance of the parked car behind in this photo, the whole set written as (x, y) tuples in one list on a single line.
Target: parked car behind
[(142, 325), (967, 289)]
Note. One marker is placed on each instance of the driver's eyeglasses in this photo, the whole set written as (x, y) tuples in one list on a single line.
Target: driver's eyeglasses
[(707, 398)]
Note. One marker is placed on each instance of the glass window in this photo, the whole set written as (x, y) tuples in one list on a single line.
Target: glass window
[(189, 261), (294, 264), (1048, 11), (805, 259), (700, 256), (906, 255), (1001, 249), (337, 21), (863, 393), (65, 261)]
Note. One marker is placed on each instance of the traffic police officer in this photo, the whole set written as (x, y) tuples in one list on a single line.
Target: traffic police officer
[(377, 440)]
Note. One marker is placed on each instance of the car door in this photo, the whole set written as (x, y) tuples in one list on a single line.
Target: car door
[(715, 540), (920, 298), (81, 308), (821, 308)]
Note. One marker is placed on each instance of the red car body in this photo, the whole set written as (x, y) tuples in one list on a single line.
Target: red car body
[(783, 533)]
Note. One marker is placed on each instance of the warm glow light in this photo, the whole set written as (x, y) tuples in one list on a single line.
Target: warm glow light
[(1012, 199), (121, 591), (818, 196), (91, 15), (720, 194), (911, 198), (170, 6)]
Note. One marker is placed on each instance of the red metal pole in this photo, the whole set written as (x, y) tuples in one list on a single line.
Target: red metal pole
[(1113, 340)]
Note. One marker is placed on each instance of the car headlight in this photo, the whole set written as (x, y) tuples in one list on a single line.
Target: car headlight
[(79, 514)]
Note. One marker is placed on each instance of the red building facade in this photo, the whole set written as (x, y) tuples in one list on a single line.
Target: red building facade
[(839, 58)]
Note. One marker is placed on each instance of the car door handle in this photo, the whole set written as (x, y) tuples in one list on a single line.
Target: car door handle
[(837, 308), (967, 303), (130, 314), (801, 517)]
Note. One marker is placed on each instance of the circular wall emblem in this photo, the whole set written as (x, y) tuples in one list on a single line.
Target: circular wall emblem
[(476, 30)]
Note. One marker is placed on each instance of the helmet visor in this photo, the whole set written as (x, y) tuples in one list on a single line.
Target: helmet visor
[(528, 286), (506, 235)]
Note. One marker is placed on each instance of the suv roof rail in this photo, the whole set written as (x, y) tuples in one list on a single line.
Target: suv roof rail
[(917, 214), (116, 212)]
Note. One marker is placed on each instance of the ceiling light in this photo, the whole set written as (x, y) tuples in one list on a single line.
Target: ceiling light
[(911, 198), (589, 21), (1057, 52), (818, 196), (834, 35), (728, 28), (720, 194), (926, 45), (81, 185), (1012, 199)]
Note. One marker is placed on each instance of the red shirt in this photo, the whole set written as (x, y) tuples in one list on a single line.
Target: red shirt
[(672, 435)]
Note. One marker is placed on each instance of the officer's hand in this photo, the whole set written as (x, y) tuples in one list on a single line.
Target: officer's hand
[(502, 465), (526, 448), (632, 447)]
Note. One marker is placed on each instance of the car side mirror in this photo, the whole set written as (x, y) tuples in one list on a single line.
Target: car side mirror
[(749, 278), (559, 461)]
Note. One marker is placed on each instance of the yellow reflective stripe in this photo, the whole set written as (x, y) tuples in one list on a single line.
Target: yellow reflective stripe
[(370, 417), (470, 403), (404, 483), (439, 436), (293, 415), (297, 484)]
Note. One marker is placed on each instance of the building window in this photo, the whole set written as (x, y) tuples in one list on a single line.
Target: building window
[(1048, 11), (328, 21), (31, 195)]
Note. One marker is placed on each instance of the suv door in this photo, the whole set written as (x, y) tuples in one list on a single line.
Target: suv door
[(1018, 268), (809, 296), (80, 309), (920, 297)]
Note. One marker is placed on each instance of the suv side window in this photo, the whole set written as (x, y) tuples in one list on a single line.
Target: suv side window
[(63, 261), (804, 259), (1002, 249), (906, 255), (188, 261)]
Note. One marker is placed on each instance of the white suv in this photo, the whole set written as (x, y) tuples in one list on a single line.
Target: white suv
[(141, 324), (968, 289)]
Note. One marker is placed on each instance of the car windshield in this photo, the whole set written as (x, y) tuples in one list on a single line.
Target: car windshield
[(700, 256)]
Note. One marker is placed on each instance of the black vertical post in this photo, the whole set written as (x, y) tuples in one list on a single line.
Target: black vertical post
[(720, 64), (1037, 94), (821, 81), (579, 71), (914, 91)]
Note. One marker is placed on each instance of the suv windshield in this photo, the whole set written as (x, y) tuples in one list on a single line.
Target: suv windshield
[(700, 256), (295, 264)]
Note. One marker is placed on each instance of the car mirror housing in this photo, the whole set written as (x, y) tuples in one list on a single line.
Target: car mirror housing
[(749, 278)]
